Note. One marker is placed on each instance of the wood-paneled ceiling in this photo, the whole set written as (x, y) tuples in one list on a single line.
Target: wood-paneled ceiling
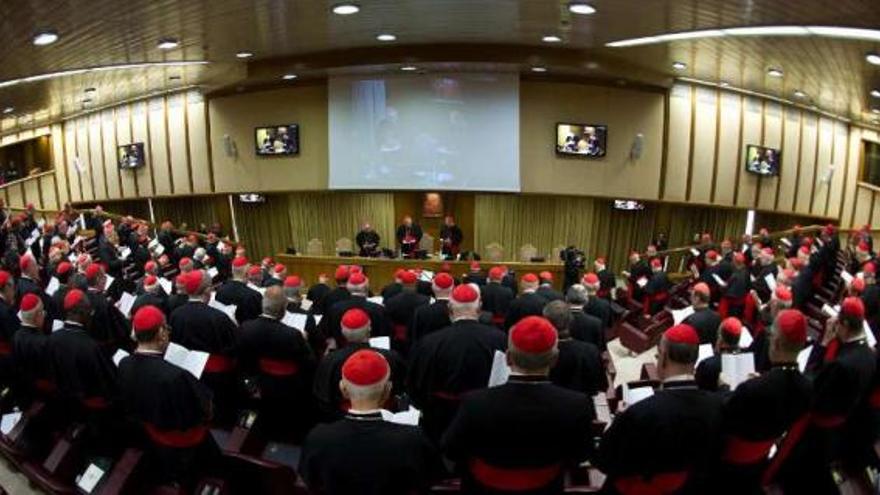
[(306, 38)]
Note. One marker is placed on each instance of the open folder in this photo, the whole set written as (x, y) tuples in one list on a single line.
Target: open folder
[(500, 370), (229, 309), (634, 395), (736, 368), (125, 302), (409, 417), (192, 361)]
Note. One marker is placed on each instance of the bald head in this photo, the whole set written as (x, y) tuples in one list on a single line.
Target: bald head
[(274, 302)]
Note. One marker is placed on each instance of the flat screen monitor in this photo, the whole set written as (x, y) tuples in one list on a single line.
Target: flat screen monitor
[(761, 160), (130, 155), (581, 140), (277, 140)]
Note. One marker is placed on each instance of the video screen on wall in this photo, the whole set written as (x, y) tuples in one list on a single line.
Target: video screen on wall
[(763, 161), (130, 155), (277, 140), (583, 140)]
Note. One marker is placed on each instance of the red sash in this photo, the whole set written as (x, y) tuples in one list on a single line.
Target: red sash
[(218, 363), (831, 350), (498, 320), (278, 367), (794, 435), (659, 484), (180, 439), (5, 348), (741, 451), (513, 479), (95, 403), (400, 333), (447, 396)]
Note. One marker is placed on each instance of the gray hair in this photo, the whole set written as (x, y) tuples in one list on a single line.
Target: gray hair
[(274, 302), (558, 313), (577, 295)]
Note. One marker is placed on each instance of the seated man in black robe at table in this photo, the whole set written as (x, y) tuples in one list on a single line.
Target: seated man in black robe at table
[(368, 241), (170, 404), (451, 237), (408, 236)]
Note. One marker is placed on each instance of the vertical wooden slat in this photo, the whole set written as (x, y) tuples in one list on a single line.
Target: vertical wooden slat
[(781, 146), (815, 162), (189, 171), (103, 155), (763, 138), (717, 144), (846, 173), (690, 169), (167, 143), (797, 178), (211, 153), (739, 151), (831, 182)]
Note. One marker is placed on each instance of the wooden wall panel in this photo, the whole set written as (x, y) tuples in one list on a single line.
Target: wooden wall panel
[(14, 196), (788, 174), (772, 137), (177, 147), (158, 153), (85, 159), (678, 150), (851, 172), (840, 149), (196, 121), (60, 162), (96, 157), (47, 191), (73, 174), (140, 134), (123, 137), (825, 144), (875, 211), (111, 164), (32, 192), (729, 164), (703, 155), (863, 206), (751, 134), (809, 134)]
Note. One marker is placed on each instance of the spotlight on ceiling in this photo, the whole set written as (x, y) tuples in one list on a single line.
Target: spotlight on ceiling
[(386, 37), (539, 69), (168, 43), (581, 8), (244, 55), (551, 38), (346, 8), (46, 37), (774, 72), (288, 77), (873, 58), (409, 68), (679, 65)]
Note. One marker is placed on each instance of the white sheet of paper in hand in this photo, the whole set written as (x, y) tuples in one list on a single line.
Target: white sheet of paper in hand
[(634, 395), (72, 257), (846, 276), (679, 315), (695, 251), (603, 412), (829, 311), (785, 241), (126, 301), (500, 370), (317, 318), (89, 479), (35, 236), (295, 320), (771, 281), (8, 422), (166, 284), (57, 325), (213, 272), (736, 368), (804, 357), (229, 309), (305, 304), (642, 282), (124, 253), (108, 281), (718, 280), (52, 286), (869, 334), (192, 361), (119, 356), (704, 351), (409, 417), (375, 299), (380, 342), (745, 338)]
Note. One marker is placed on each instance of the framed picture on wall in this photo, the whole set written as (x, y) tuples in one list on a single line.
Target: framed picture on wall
[(432, 205)]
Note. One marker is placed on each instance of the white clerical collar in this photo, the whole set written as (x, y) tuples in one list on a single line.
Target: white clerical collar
[(364, 411), (684, 377), (149, 352), (264, 315), (196, 300)]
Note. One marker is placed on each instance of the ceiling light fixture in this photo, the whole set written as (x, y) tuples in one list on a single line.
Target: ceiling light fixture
[(581, 8), (244, 55), (872, 35), (168, 43), (774, 72), (875, 93), (101, 68), (46, 37), (873, 58), (288, 77), (551, 38), (539, 69), (409, 68), (679, 65), (799, 94), (8, 110), (386, 37), (346, 8)]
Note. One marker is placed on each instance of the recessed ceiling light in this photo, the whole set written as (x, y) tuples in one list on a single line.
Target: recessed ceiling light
[(409, 68), (873, 58), (551, 38), (46, 37), (346, 8), (8, 110), (799, 94), (679, 65), (875, 93), (386, 37), (723, 84), (168, 43), (288, 77), (244, 55), (539, 69), (581, 8), (774, 72)]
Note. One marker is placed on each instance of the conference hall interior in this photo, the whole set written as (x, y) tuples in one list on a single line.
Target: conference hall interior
[(379, 247)]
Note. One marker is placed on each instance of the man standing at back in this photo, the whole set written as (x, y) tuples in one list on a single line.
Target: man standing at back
[(453, 361), (521, 436), (435, 316), (528, 303), (247, 301), (495, 296), (401, 308)]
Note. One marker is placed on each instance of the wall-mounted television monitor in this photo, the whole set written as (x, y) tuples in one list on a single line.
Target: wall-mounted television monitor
[(130, 155), (582, 140), (277, 140), (628, 205), (761, 160), (252, 198)]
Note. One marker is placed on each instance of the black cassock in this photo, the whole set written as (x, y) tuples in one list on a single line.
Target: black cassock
[(429, 319), (150, 300), (706, 322), (600, 308), (579, 368), (30, 351), (675, 433), (329, 373), (607, 282), (527, 304), (368, 242), (448, 363), (284, 366), (81, 368), (760, 283), (587, 328), (657, 285), (108, 326), (364, 454), (520, 437), (322, 306), (450, 240), (549, 293), (8, 329), (496, 299), (174, 410), (317, 292), (330, 325), (408, 238), (248, 302), (637, 271), (707, 373), (391, 290), (400, 310)]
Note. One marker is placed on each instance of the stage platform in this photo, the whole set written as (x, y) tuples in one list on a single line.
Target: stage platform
[(381, 270)]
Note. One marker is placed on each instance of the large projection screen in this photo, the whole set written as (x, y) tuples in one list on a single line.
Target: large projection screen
[(425, 131)]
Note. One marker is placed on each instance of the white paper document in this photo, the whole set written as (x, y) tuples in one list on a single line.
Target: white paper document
[(603, 411), (229, 309), (305, 304), (166, 285), (634, 395), (8, 422), (57, 325), (108, 281), (124, 252), (869, 335), (375, 299), (213, 272), (52, 286), (409, 417), (704, 351), (119, 356), (718, 280), (500, 370), (295, 320), (642, 282), (736, 368), (804, 357), (192, 361), (380, 342), (89, 479), (845, 275), (745, 338), (125, 302), (771, 281), (695, 252), (679, 315)]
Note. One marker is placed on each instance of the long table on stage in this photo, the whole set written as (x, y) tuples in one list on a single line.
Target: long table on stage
[(380, 271)]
